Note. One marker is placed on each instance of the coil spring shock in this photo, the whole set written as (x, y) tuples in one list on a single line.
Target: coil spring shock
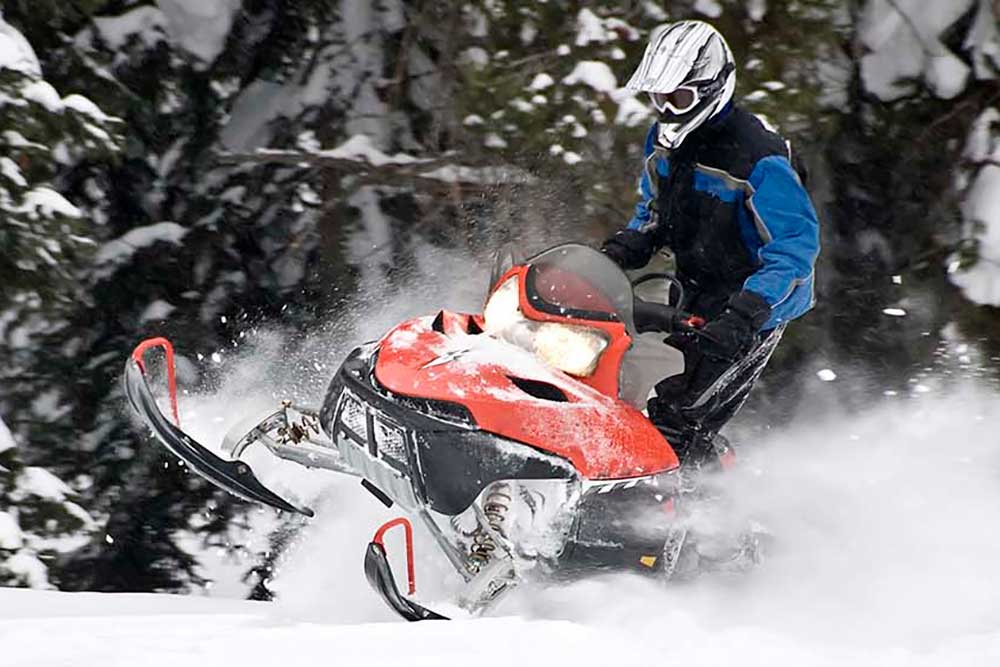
[(496, 504)]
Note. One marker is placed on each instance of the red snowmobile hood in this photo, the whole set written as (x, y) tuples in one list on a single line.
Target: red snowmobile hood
[(512, 394)]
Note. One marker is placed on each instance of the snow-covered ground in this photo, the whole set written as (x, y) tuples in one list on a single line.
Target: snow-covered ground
[(128, 630)]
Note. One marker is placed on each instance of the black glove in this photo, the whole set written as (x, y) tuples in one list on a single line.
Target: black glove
[(630, 249), (615, 252), (733, 333)]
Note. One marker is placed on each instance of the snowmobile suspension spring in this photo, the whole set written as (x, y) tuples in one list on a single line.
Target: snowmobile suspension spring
[(482, 548), (496, 504)]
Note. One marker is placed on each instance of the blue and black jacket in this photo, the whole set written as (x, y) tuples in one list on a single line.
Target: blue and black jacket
[(735, 213)]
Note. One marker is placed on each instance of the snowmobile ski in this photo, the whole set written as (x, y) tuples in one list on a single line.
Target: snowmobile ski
[(379, 575), (233, 476)]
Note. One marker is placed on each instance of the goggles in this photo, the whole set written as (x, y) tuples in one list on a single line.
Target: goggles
[(679, 101)]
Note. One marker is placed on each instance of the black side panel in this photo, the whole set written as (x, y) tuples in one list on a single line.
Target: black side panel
[(379, 576), (614, 530), (457, 465), (449, 460)]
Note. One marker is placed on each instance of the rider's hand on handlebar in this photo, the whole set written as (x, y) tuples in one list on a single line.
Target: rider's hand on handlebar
[(732, 334)]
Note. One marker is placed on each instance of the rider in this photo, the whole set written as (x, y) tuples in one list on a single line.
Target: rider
[(719, 190)]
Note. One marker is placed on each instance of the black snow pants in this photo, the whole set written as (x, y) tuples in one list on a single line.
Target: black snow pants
[(690, 409)]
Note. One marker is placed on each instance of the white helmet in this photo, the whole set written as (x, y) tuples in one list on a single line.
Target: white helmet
[(690, 75)]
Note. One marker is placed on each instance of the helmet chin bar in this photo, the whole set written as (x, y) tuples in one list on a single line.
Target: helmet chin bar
[(672, 135)]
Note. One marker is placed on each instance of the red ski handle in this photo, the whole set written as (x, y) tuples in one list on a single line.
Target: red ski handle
[(168, 349), (408, 530)]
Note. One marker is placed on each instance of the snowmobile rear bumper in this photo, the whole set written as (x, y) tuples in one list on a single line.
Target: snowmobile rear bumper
[(235, 477)]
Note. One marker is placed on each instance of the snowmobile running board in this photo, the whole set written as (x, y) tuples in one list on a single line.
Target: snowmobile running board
[(233, 476), (379, 575)]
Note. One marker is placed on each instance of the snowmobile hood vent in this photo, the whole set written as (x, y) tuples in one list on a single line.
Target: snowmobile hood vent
[(539, 389), (438, 323)]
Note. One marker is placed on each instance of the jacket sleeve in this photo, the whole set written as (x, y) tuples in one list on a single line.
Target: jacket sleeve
[(789, 228), (642, 219), (634, 246)]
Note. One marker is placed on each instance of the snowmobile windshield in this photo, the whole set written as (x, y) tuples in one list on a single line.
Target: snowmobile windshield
[(579, 282)]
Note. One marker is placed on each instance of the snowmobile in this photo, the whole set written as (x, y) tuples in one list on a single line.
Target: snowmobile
[(515, 436)]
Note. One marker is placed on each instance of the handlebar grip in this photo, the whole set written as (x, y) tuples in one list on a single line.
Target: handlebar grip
[(659, 317)]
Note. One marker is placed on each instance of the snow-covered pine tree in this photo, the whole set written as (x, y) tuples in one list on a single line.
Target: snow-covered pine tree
[(45, 239), (976, 266), (917, 83), (39, 519), (46, 243)]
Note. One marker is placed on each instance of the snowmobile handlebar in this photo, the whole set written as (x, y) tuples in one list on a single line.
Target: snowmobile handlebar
[(651, 316), (672, 284), (659, 317)]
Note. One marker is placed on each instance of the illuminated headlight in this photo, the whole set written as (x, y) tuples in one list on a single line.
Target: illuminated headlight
[(352, 416), (390, 440), (570, 348)]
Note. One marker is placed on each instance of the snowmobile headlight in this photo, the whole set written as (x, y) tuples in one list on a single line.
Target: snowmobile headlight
[(571, 348)]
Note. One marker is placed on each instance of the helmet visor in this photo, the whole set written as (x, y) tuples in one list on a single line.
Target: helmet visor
[(679, 101)]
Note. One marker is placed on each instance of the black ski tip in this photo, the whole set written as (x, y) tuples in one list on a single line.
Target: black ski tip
[(379, 576)]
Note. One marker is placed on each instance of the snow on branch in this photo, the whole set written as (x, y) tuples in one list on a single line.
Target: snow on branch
[(6, 437), (904, 40), (359, 156)]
